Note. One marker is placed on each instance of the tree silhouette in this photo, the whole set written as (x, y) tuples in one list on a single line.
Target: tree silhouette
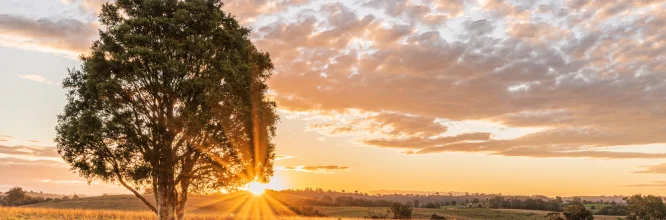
[(401, 211), (15, 197), (171, 97), (577, 212)]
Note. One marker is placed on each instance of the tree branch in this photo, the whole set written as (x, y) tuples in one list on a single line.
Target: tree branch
[(116, 171), (137, 194)]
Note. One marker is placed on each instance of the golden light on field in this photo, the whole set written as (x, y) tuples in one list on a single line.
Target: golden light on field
[(251, 203), (258, 188)]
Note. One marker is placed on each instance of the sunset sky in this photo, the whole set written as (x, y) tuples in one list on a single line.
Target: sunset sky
[(514, 97)]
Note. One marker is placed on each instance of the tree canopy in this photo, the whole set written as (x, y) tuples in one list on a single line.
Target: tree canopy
[(172, 97), (645, 207)]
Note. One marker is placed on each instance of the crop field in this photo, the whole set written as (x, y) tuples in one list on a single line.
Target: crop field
[(204, 208)]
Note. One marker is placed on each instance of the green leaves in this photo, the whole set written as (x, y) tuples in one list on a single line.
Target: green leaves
[(172, 89)]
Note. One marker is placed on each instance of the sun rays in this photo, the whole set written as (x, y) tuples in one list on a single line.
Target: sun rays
[(248, 205)]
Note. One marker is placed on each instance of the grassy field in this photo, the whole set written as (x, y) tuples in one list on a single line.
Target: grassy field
[(29, 213), (26, 213), (449, 213), (129, 207), (597, 207)]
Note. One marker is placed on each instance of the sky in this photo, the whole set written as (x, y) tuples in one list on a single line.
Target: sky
[(514, 97)]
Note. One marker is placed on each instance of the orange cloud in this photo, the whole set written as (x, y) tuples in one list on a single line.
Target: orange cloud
[(5, 138), (317, 169), (655, 184), (64, 35), (656, 169), (283, 157)]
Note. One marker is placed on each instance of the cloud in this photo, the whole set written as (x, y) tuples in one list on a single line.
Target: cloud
[(47, 34), (421, 143), (656, 169), (317, 169), (5, 138), (283, 157), (37, 78), (655, 184), (556, 79), (574, 88), (29, 154), (427, 12), (63, 181), (383, 124), (246, 11), (479, 27)]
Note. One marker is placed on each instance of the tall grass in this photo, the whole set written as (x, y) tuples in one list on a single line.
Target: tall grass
[(21, 213)]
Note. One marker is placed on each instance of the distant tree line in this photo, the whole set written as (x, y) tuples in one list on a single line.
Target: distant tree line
[(530, 204), (17, 197), (338, 201)]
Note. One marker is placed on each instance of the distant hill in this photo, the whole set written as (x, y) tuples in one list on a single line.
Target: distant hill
[(386, 191), (47, 195)]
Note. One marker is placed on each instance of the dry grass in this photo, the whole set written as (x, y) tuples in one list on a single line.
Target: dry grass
[(12, 213), (23, 213)]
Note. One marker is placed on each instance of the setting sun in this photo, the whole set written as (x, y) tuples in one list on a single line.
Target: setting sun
[(256, 188)]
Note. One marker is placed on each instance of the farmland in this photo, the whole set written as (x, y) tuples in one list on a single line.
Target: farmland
[(212, 207)]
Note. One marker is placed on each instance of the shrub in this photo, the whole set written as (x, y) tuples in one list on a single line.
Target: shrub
[(577, 212), (401, 211), (435, 216), (431, 205), (554, 216)]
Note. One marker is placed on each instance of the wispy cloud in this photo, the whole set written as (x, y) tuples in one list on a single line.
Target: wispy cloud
[(5, 138), (283, 157), (655, 184), (655, 169), (36, 78), (317, 169), (63, 181), (32, 154)]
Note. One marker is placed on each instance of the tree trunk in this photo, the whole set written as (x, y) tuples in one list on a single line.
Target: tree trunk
[(180, 209), (166, 197)]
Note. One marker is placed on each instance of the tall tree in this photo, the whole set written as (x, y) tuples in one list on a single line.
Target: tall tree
[(646, 207), (172, 97)]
